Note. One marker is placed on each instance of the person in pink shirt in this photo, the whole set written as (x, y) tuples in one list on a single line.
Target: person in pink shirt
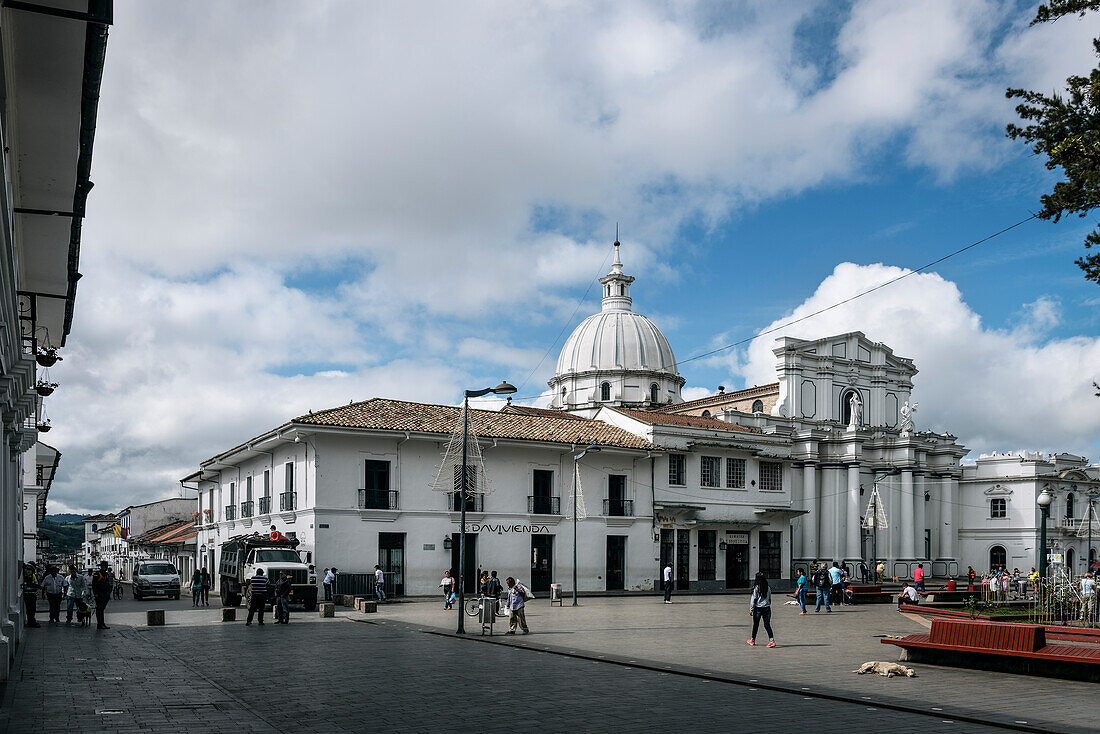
[(918, 577)]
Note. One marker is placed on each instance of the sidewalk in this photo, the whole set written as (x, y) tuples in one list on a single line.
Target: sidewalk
[(707, 636)]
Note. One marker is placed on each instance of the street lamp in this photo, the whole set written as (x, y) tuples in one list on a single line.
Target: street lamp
[(1044, 500), (1091, 494), (872, 516), (576, 470), (502, 389)]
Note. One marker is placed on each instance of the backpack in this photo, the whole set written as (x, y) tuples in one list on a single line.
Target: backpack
[(821, 578)]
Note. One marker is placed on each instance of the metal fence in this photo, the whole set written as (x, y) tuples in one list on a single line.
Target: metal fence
[(1056, 599), (362, 584)]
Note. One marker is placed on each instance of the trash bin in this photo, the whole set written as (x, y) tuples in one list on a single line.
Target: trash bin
[(555, 594), (487, 613)]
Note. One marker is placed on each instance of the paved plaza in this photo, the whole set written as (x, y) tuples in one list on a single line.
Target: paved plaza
[(616, 664)]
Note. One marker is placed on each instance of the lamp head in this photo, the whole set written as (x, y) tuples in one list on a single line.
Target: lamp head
[(504, 388), (1045, 498)]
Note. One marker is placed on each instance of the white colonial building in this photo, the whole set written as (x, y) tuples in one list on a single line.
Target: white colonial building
[(108, 537), (39, 467), (1000, 518)]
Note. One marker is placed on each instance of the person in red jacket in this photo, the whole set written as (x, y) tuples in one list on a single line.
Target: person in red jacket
[(276, 535)]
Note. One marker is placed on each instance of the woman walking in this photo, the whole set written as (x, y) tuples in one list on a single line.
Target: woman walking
[(196, 588), (800, 592), (760, 607), (448, 586)]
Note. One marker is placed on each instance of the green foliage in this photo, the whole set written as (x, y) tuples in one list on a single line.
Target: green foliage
[(1066, 130), (975, 606), (65, 537)]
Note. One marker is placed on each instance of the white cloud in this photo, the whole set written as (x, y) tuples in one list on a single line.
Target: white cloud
[(994, 388)]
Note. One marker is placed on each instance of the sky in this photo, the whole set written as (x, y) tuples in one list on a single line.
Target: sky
[(297, 205)]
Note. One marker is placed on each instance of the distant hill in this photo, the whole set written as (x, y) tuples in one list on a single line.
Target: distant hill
[(64, 517), (65, 531)]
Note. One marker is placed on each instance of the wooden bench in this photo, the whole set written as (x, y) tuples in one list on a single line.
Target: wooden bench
[(1018, 648)]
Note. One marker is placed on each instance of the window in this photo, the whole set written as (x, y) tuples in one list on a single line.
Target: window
[(676, 469), (471, 478), (706, 414), (997, 557), (1069, 505), (542, 501), (998, 507), (617, 503), (376, 486), (267, 483), (605, 391), (710, 471), (248, 489), (653, 392), (288, 485), (758, 406), (735, 473), (706, 555), (771, 476), (232, 493), (475, 501), (771, 553)]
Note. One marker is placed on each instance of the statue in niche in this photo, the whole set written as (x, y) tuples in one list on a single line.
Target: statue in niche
[(855, 410), (907, 417)]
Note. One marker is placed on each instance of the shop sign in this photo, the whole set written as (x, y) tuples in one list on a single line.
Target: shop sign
[(477, 527), (736, 538)]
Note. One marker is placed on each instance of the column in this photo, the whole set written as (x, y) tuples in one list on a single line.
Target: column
[(797, 487), (919, 506), (948, 531), (852, 550), (832, 505), (811, 521), (907, 551)]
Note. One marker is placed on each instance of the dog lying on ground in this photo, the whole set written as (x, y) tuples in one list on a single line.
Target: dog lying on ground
[(888, 670)]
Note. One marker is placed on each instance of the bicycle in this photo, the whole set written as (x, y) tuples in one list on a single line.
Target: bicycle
[(473, 606), (117, 593)]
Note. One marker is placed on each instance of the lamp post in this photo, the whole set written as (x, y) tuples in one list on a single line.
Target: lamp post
[(1088, 518), (1044, 500), (576, 470), (872, 516), (502, 389)]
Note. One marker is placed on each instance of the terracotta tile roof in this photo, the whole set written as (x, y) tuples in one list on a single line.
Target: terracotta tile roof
[(397, 415), (174, 532), (721, 397), (654, 418), (528, 410), (100, 518)]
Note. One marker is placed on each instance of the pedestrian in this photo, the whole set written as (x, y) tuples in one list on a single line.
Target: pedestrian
[(282, 599), (918, 577), (970, 578), (75, 592), (880, 571), (516, 597), (447, 583), (31, 588), (379, 582), (329, 578), (864, 572), (800, 591), (206, 584), (952, 584), (908, 595), (836, 587), (760, 607), (196, 588), (483, 583), (822, 586), (494, 590), (276, 535), (102, 585), (258, 604), (668, 583), (53, 584), (844, 590)]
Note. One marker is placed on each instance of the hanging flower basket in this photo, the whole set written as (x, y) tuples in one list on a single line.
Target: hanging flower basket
[(45, 388), (47, 357), (44, 427)]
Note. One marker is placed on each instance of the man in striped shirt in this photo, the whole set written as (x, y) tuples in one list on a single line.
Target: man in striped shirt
[(258, 586)]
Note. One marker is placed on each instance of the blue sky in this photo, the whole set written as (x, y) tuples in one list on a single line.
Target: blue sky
[(303, 205)]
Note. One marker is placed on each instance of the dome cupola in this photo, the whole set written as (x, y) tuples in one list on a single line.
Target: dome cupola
[(615, 357)]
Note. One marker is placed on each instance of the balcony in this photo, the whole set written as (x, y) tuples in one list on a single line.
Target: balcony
[(246, 508), (288, 501), (618, 508), (230, 512), (474, 503), (1071, 523), (265, 505), (377, 499), (543, 505)]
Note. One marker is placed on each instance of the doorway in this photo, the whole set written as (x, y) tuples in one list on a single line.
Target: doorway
[(542, 562), (683, 559), (391, 557), (469, 574), (737, 566), (616, 562), (668, 546)]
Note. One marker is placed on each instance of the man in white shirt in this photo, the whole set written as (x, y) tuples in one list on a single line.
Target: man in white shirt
[(1088, 594), (668, 583), (379, 578), (908, 595), (328, 581)]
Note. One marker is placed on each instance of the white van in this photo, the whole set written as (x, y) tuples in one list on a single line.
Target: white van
[(156, 578)]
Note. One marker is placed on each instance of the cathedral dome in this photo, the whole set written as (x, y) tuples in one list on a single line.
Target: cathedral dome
[(615, 356)]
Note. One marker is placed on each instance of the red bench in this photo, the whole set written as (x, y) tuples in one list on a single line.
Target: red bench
[(1018, 648)]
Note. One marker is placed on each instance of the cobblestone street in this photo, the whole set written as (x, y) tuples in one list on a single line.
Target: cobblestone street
[(391, 672)]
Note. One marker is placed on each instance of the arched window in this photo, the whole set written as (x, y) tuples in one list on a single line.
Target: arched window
[(706, 414), (1071, 558), (846, 407), (998, 507), (622, 289), (758, 406), (653, 392), (997, 557), (605, 391), (1069, 505)]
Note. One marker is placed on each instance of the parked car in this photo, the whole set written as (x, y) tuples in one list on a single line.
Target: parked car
[(155, 578)]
